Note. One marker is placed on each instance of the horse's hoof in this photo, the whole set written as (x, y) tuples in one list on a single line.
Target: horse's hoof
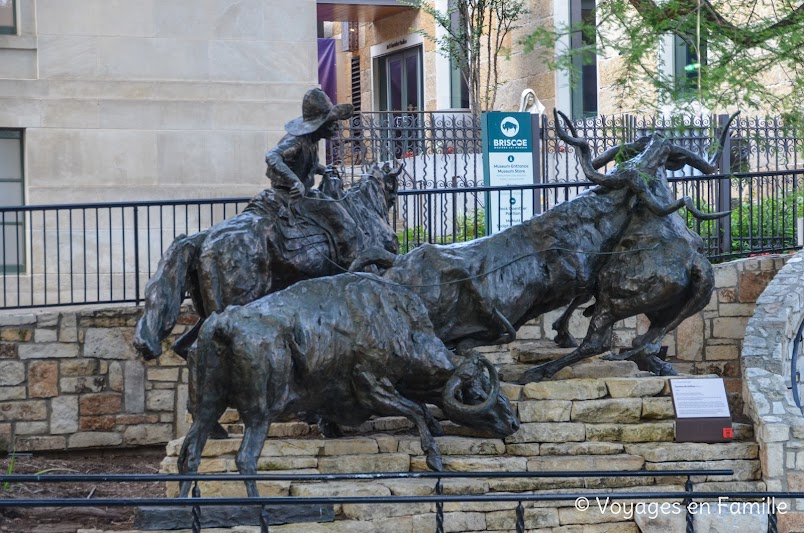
[(218, 433), (537, 373), (659, 367), (566, 341), (330, 430), (434, 462)]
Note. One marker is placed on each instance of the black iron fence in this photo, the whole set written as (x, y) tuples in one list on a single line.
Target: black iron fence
[(104, 253), (689, 502), (444, 149)]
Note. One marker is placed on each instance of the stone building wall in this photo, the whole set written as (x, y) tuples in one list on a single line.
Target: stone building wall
[(71, 379), (153, 100)]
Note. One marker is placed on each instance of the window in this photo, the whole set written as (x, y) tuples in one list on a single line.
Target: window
[(400, 76), (8, 17), (584, 76), (11, 195), (687, 65)]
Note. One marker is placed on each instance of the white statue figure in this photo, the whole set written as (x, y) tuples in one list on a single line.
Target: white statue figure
[(529, 103)]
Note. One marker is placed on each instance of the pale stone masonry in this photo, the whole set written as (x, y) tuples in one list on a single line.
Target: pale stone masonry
[(589, 429), (71, 379), (768, 380)]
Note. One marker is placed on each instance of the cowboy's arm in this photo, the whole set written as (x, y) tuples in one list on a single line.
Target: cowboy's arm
[(278, 171)]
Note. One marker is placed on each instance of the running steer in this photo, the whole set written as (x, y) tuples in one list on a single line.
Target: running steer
[(344, 348)]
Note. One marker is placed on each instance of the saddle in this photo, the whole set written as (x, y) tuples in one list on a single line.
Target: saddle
[(302, 226)]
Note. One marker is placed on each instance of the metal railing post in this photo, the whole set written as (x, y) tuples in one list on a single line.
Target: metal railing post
[(136, 255), (724, 188), (439, 490), (687, 501)]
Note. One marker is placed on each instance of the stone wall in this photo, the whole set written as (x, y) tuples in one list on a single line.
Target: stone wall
[(767, 378), (71, 379), (620, 424)]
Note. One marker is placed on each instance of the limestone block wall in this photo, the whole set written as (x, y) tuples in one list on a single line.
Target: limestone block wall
[(622, 424), (766, 359), (71, 379)]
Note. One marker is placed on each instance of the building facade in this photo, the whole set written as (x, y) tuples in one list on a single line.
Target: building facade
[(107, 100), (386, 61)]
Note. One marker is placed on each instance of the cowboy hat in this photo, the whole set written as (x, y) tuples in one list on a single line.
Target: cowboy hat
[(317, 109)]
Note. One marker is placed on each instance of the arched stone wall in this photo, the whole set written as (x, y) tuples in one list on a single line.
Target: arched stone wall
[(766, 363)]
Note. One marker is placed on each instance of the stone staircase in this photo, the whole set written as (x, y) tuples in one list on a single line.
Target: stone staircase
[(622, 420)]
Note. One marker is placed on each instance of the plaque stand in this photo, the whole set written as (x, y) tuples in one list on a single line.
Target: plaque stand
[(702, 410)]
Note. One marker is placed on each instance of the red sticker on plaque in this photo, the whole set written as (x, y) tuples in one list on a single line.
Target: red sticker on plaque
[(728, 433)]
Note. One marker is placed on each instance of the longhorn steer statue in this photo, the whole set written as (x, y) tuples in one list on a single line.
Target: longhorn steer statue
[(480, 292), (658, 267), (344, 348)]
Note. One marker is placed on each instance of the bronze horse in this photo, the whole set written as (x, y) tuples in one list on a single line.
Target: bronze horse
[(268, 247)]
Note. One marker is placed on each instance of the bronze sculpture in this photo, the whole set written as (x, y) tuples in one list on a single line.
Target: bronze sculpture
[(482, 291), (267, 247), (343, 347)]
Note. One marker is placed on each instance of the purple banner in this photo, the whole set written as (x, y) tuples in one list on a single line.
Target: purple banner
[(327, 71)]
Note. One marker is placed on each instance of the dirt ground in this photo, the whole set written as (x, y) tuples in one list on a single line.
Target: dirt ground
[(69, 520)]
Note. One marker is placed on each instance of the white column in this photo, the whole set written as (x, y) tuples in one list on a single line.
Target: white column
[(443, 74), (561, 16)]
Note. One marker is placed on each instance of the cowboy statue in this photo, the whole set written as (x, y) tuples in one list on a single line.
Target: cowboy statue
[(293, 163), (308, 218)]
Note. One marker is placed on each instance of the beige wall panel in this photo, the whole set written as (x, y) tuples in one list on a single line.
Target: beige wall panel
[(251, 115), (130, 58), (16, 64), (126, 18), (19, 113), (290, 21), (184, 18), (211, 157), (155, 115), (70, 113), (81, 194), (262, 61), (27, 88), (66, 56), (61, 17), (243, 19), (69, 158)]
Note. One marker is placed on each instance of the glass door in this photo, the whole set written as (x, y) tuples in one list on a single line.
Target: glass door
[(401, 81)]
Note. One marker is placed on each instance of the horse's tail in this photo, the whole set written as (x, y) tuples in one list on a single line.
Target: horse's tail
[(164, 294)]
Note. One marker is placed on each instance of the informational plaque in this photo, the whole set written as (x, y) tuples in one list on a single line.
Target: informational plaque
[(702, 410), (508, 161)]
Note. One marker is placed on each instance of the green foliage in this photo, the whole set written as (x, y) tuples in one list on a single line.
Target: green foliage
[(755, 225), (738, 43), (468, 227), (12, 463)]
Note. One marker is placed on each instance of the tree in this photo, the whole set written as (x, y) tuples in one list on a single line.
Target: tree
[(474, 32), (739, 46)]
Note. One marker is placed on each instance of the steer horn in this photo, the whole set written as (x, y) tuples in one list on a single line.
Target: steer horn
[(585, 158), (462, 410)]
